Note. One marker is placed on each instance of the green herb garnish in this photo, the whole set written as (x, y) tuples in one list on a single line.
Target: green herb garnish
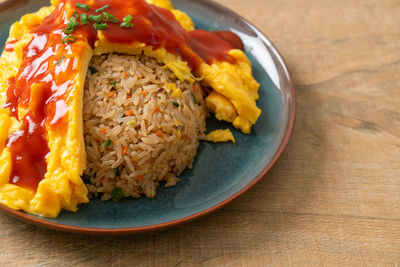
[(83, 18), (102, 8), (113, 82), (117, 194), (107, 143), (110, 18), (83, 6), (92, 70), (75, 14), (68, 39), (71, 26), (127, 18), (176, 104), (68, 31), (73, 23), (100, 26), (126, 25), (59, 61), (94, 18)]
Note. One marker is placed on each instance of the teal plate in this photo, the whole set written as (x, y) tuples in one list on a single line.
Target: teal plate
[(221, 172)]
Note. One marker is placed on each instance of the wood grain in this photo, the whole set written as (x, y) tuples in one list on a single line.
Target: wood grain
[(332, 199)]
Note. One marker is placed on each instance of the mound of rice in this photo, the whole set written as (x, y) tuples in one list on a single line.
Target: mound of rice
[(142, 126)]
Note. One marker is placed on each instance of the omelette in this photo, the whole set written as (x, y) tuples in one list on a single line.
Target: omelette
[(44, 65)]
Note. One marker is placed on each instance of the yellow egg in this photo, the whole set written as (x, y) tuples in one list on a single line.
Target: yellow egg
[(220, 136), (232, 99)]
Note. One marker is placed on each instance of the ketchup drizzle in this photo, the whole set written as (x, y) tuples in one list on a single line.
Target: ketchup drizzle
[(40, 91)]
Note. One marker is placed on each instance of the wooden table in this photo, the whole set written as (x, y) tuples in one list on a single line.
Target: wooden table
[(333, 198)]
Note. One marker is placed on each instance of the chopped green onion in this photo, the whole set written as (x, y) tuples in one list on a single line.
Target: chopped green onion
[(176, 104), (111, 18), (83, 6), (127, 18), (117, 194), (92, 70), (117, 173), (68, 30), (83, 18), (102, 8), (100, 26), (131, 123), (73, 23), (113, 82), (94, 18), (59, 61), (75, 14), (126, 25), (68, 39), (194, 99), (107, 143), (71, 26)]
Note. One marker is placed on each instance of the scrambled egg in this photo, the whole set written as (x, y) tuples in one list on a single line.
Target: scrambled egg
[(232, 100), (220, 136)]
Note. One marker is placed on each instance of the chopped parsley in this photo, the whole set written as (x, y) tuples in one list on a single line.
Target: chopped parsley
[(107, 143), (117, 194)]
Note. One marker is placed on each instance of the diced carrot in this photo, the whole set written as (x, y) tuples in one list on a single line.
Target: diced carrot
[(128, 96), (124, 150), (128, 113), (140, 177), (103, 130), (137, 191), (160, 133), (156, 109), (195, 88), (126, 74), (144, 93), (132, 160), (111, 94)]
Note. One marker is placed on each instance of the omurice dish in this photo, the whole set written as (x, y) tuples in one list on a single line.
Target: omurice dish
[(110, 98)]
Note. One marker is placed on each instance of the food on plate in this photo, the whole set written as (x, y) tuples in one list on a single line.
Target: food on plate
[(109, 97)]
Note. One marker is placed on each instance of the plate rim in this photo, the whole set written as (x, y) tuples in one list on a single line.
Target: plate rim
[(140, 229)]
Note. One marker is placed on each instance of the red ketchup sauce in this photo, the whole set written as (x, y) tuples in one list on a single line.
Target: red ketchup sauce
[(48, 64)]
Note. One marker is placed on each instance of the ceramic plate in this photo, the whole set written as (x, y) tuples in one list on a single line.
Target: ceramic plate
[(221, 172)]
